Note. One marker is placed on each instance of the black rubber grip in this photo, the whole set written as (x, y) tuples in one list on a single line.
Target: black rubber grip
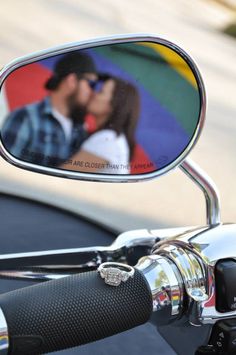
[(72, 311)]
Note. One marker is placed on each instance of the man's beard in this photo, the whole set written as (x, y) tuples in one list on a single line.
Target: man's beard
[(76, 111)]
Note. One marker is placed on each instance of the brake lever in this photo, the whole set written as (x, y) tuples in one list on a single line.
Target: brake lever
[(128, 247)]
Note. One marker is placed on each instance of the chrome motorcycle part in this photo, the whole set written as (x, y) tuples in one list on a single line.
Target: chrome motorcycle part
[(115, 273), (4, 337), (193, 276), (207, 185), (166, 285), (196, 256), (51, 264)]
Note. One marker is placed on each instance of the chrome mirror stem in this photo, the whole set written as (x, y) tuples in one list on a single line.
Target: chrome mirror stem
[(207, 185)]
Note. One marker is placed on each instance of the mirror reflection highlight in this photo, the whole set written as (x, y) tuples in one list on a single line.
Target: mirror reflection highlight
[(129, 108)]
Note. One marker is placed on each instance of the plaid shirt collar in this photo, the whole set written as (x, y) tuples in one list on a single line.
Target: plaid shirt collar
[(47, 106)]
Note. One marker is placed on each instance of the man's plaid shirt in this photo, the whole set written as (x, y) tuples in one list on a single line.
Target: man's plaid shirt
[(32, 134)]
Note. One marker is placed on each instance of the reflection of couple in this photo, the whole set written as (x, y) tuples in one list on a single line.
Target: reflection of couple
[(115, 108), (76, 121)]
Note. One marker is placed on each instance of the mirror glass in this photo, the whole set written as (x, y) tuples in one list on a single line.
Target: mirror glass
[(127, 108)]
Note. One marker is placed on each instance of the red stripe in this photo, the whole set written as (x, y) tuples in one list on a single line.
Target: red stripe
[(140, 162), (26, 85)]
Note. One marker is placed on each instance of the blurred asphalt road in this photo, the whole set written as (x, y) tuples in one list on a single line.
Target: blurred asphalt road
[(27, 26)]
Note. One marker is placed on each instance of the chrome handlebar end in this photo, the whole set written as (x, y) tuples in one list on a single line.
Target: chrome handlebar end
[(166, 286)]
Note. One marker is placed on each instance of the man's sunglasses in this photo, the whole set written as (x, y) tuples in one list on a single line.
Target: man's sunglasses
[(96, 85)]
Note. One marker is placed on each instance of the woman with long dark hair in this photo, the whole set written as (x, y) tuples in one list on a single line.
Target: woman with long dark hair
[(116, 110)]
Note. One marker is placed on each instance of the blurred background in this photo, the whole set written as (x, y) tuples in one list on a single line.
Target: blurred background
[(206, 29)]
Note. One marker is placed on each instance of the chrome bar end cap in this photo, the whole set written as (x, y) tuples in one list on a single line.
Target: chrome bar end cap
[(165, 283)]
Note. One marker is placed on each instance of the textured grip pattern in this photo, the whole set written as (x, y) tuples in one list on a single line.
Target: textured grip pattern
[(72, 311)]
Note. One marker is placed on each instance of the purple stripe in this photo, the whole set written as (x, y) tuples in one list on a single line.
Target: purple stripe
[(158, 132)]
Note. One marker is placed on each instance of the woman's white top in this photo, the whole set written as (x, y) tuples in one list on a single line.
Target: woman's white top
[(113, 148)]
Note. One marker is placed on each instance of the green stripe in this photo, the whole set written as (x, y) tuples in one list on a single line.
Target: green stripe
[(164, 83)]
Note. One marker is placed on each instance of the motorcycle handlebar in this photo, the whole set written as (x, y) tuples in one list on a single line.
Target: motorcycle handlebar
[(72, 311)]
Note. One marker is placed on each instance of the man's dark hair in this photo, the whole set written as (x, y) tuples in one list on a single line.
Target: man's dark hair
[(74, 62)]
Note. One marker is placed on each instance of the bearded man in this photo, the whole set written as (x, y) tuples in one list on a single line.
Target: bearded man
[(50, 131)]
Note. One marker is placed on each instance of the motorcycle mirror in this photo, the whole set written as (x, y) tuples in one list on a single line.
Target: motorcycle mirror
[(112, 109)]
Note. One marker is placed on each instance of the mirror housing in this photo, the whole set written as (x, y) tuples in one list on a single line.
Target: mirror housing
[(171, 104)]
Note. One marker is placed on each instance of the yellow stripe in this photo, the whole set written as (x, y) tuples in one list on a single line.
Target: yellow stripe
[(175, 61), (175, 298), (3, 338)]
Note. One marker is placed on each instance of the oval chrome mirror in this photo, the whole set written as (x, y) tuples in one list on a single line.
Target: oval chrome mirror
[(114, 109)]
